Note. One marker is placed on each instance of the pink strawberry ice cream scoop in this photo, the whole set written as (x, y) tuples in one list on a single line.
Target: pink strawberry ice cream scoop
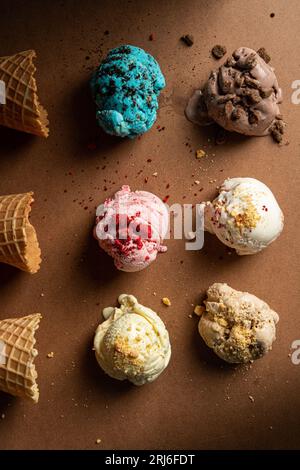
[(131, 227)]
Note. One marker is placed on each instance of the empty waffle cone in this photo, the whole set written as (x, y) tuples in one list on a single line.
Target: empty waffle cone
[(22, 109), (17, 353), (19, 246)]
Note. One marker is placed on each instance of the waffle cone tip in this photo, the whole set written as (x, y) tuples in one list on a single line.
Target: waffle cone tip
[(17, 353), (19, 245), (22, 109)]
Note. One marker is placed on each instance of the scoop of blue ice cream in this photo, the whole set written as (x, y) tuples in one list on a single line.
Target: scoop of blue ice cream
[(125, 87)]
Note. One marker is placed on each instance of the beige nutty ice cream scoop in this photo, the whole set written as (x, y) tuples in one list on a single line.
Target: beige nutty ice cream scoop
[(132, 343), (238, 326)]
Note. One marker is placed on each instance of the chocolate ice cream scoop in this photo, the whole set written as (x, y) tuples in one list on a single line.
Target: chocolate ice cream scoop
[(241, 96)]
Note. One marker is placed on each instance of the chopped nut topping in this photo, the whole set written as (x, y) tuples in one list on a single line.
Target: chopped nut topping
[(199, 310), (166, 301), (200, 153)]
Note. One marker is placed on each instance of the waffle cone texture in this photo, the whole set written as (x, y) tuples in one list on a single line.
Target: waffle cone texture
[(17, 353), (22, 110), (19, 245)]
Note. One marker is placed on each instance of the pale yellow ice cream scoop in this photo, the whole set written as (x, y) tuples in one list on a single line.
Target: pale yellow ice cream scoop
[(132, 343), (238, 326)]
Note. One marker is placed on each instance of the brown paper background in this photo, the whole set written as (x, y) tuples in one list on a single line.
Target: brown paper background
[(198, 402)]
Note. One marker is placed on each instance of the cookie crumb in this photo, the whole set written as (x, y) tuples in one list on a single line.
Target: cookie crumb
[(166, 301), (264, 55), (199, 310), (3, 416), (251, 398), (277, 130), (50, 355), (200, 153), (218, 51), (98, 441), (188, 39)]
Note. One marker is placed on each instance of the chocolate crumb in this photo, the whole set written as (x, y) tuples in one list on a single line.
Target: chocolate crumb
[(253, 117), (264, 55), (277, 136), (188, 39), (277, 130), (218, 51), (236, 113), (272, 15), (250, 62), (151, 37)]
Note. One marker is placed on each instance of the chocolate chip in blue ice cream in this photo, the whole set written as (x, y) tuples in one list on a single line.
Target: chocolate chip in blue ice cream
[(125, 87)]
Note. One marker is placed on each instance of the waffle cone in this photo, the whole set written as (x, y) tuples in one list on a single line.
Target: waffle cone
[(22, 110), (17, 370), (19, 246)]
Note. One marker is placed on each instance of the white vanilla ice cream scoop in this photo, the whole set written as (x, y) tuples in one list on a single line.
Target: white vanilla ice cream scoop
[(132, 343), (244, 216), (238, 326)]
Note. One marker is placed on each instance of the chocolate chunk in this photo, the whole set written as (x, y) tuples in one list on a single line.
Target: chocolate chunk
[(252, 96), (218, 51), (225, 98), (277, 130), (277, 136), (239, 80), (250, 62), (264, 55), (237, 113), (236, 100), (188, 39), (251, 82), (253, 117)]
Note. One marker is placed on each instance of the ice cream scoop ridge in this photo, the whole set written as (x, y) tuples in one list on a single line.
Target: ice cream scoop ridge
[(241, 96), (132, 343), (244, 216), (125, 87), (238, 326), (131, 227)]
